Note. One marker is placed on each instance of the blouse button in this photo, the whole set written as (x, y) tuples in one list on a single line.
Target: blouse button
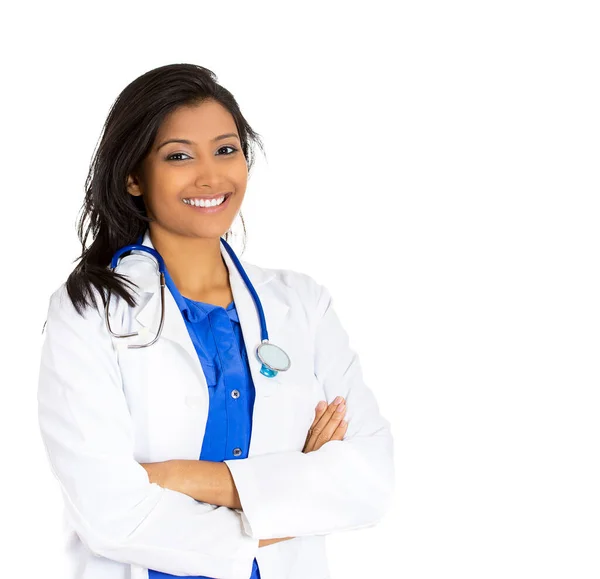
[(237, 451), (235, 393)]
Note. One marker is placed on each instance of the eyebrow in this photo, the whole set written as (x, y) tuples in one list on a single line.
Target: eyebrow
[(188, 142)]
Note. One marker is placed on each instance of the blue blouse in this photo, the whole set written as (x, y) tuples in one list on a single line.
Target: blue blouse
[(217, 337)]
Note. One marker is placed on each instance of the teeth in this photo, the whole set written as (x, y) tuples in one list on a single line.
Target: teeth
[(205, 202)]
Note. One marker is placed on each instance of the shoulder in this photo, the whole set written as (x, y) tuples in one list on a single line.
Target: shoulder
[(297, 288), (62, 312), (291, 280)]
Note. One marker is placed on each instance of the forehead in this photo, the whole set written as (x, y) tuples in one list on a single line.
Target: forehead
[(197, 122)]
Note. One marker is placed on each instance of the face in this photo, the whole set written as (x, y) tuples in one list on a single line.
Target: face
[(175, 176)]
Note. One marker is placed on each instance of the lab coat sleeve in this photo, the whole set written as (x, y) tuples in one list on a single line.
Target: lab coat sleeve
[(346, 484), (88, 435)]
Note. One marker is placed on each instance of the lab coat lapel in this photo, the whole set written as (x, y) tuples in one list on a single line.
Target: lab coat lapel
[(275, 311), (174, 328)]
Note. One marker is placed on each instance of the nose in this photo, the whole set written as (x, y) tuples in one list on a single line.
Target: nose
[(209, 174)]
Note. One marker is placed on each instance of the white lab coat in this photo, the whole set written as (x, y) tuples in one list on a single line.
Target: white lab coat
[(103, 409)]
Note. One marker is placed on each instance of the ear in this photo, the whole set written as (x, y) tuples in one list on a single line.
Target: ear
[(133, 186)]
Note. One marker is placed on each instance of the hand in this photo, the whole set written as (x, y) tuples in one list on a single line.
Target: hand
[(327, 425)]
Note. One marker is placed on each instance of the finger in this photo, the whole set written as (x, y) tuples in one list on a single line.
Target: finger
[(334, 421), (331, 417), (327, 415), (319, 410), (316, 433), (323, 415), (340, 431)]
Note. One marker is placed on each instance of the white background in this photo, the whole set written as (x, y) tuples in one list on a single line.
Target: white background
[(435, 165)]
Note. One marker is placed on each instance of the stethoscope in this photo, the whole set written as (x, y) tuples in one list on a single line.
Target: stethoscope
[(272, 357)]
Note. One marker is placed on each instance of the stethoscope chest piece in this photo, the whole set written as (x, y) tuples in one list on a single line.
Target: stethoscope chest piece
[(273, 359)]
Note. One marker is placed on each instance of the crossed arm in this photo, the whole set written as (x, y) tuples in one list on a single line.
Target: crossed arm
[(212, 482), (206, 481), (203, 480)]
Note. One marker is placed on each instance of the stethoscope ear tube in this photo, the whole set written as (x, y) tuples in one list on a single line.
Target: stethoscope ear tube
[(132, 334), (138, 247)]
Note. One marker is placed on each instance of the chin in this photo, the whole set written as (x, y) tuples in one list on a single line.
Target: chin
[(211, 232)]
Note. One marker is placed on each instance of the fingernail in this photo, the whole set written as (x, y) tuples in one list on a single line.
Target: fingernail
[(344, 422), (337, 400), (321, 405), (341, 407)]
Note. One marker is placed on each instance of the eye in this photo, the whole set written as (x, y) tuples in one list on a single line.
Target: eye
[(170, 157), (229, 147)]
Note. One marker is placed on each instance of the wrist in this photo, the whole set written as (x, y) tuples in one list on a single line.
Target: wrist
[(164, 473), (205, 481)]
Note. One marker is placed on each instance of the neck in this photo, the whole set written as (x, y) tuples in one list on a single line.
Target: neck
[(195, 264)]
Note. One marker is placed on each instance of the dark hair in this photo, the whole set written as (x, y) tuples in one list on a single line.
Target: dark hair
[(112, 216)]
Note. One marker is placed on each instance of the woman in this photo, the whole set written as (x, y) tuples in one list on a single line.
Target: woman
[(183, 456)]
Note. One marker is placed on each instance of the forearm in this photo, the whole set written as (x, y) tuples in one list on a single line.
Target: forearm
[(206, 481)]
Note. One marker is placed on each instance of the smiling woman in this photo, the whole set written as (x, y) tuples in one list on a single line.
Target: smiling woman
[(184, 141), (188, 454)]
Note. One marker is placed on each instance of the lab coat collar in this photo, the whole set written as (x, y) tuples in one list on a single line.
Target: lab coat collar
[(174, 328)]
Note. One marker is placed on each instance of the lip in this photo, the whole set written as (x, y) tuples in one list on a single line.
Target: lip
[(216, 209)]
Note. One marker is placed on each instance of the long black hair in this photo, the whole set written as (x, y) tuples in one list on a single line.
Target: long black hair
[(110, 215)]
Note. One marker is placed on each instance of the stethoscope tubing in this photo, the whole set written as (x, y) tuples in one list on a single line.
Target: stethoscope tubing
[(267, 369)]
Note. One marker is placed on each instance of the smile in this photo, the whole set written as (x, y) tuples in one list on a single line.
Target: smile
[(208, 205), (205, 202)]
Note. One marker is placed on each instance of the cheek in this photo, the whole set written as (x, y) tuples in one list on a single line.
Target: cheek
[(241, 181), (167, 184), (162, 191), (241, 170)]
